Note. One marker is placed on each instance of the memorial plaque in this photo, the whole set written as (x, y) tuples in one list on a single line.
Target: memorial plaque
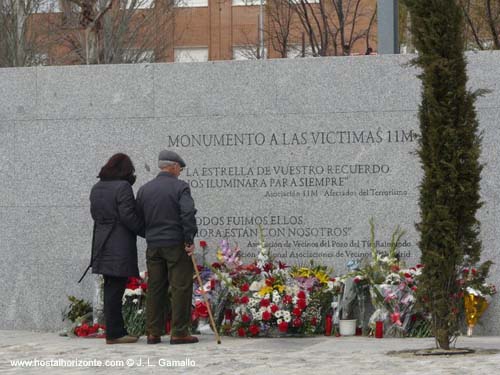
[(310, 182)]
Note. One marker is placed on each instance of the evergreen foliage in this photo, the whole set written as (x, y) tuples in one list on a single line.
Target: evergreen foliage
[(449, 150)]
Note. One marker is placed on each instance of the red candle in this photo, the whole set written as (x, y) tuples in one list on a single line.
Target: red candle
[(167, 327), (328, 325), (379, 329)]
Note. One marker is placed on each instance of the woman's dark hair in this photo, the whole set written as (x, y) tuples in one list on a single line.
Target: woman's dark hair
[(118, 167)]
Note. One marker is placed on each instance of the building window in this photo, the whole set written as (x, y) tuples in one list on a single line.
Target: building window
[(295, 51), (138, 56), (140, 4), (47, 6), (191, 54), (247, 2), (248, 53), (191, 3)]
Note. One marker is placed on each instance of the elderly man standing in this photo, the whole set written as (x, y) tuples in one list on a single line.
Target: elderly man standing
[(168, 210)]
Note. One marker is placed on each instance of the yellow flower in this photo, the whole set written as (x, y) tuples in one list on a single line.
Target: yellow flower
[(265, 290), (220, 258), (322, 277), (279, 288)]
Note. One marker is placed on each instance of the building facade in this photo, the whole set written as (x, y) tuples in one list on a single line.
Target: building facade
[(200, 30)]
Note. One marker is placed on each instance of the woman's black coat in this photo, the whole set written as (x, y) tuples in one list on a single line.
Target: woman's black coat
[(114, 250)]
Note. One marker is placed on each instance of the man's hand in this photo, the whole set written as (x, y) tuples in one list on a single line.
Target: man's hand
[(189, 249)]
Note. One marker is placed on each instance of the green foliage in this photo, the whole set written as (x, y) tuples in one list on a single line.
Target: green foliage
[(449, 149), (76, 309)]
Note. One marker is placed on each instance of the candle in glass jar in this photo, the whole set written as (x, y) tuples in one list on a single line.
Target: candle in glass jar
[(379, 329)]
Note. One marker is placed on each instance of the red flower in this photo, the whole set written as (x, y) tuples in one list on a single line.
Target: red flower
[(201, 309), (268, 267), (287, 299), (245, 287), (357, 280), (274, 308), (474, 272), (395, 268), (301, 303), (244, 300), (297, 312), (241, 332), (414, 288), (203, 244), (282, 266), (228, 314), (301, 294), (408, 275), (283, 327), (200, 268), (297, 322), (264, 302), (419, 265), (314, 321), (216, 265), (270, 281), (254, 330), (144, 286), (266, 315), (245, 318)]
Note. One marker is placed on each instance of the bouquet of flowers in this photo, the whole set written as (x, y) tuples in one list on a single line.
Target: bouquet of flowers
[(475, 291), (134, 305), (268, 298)]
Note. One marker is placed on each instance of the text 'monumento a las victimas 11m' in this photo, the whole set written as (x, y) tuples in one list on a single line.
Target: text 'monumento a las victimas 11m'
[(308, 149)]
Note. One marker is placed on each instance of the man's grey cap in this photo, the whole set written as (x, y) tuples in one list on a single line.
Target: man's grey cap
[(167, 155)]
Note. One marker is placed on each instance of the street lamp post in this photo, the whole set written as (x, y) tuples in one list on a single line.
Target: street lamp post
[(388, 30)]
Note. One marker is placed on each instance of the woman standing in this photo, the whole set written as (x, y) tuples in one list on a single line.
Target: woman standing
[(114, 248)]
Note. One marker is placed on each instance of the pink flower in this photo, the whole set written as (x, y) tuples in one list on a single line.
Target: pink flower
[(395, 318)]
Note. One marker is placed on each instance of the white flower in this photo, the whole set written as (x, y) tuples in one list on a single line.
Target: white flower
[(330, 285), (276, 298), (294, 300), (139, 311), (286, 314), (287, 318), (142, 274), (278, 314), (258, 315), (279, 321), (253, 311), (135, 300), (275, 292)]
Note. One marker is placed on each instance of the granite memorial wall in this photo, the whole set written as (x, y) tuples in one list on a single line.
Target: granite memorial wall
[(308, 150)]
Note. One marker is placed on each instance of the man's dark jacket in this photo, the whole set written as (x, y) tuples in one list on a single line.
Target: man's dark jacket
[(168, 211), (113, 209)]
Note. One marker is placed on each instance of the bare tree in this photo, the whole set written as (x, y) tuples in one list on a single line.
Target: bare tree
[(482, 23), (333, 27), (118, 31), (21, 41), (280, 14)]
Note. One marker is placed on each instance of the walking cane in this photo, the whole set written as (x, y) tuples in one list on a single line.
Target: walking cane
[(212, 322)]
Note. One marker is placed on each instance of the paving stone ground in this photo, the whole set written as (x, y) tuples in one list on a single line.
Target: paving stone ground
[(315, 355)]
